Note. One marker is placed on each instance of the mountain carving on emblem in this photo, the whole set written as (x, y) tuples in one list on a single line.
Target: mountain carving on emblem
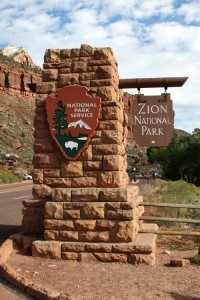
[(79, 123)]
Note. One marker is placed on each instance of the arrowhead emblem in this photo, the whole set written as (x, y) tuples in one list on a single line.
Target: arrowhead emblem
[(72, 118)]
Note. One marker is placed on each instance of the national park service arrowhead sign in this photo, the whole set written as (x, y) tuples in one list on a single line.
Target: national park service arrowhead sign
[(73, 118)]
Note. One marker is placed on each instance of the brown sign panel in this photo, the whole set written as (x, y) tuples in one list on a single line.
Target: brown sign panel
[(153, 120), (73, 118)]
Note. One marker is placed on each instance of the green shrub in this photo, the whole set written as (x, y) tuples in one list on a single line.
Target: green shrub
[(196, 259), (9, 177), (172, 192)]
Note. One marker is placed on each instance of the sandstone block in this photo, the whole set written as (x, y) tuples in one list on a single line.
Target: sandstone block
[(86, 76), (92, 165), (94, 236), (103, 53), (41, 191), (42, 133), (85, 195), (68, 235), (79, 66), (58, 224), (35, 203), (87, 258), (142, 259), (46, 249), (71, 169), (61, 194), (180, 262), (74, 247), (111, 137), (104, 224), (48, 161), (110, 179), (42, 145), (122, 232), (93, 247), (28, 211), (37, 175), (73, 205), (113, 163), (87, 154), (111, 125), (84, 182), (58, 182), (107, 93), (52, 173), (113, 113), (116, 195), (119, 214), (52, 56), (93, 211), (145, 243), (68, 79), (75, 52), (65, 53), (111, 257), (69, 256), (86, 50), (105, 72), (72, 214), (40, 122), (53, 210), (51, 235), (108, 149), (46, 88), (32, 224), (85, 224), (49, 75)]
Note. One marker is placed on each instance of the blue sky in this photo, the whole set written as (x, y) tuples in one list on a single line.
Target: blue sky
[(150, 38)]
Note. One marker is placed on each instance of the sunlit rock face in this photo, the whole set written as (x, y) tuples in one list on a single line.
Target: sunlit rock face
[(19, 54)]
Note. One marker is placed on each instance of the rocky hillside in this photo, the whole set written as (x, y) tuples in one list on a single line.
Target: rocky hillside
[(17, 106), (16, 129), (18, 57)]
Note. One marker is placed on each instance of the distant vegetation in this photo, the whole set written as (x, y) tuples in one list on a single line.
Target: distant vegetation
[(172, 192), (13, 64), (180, 159), (9, 177)]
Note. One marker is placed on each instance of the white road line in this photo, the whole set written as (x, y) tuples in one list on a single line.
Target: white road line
[(21, 197)]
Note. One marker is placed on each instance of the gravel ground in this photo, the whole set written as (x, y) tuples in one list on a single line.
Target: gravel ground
[(101, 281)]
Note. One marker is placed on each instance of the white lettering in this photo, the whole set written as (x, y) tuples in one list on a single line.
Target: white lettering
[(81, 115), (78, 105), (152, 131), (147, 109)]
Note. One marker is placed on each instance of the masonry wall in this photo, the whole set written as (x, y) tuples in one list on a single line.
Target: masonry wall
[(88, 200)]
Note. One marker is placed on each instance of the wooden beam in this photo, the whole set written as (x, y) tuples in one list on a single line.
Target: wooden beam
[(170, 232), (174, 205), (164, 219), (164, 82)]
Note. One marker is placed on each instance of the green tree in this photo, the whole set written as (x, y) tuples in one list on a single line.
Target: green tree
[(181, 158), (60, 122)]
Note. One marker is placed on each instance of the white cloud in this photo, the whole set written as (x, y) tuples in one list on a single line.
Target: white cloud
[(190, 11)]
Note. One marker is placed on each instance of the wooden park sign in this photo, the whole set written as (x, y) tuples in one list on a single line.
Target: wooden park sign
[(73, 118), (153, 120)]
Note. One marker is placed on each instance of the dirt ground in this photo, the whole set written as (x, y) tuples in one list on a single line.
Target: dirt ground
[(101, 281)]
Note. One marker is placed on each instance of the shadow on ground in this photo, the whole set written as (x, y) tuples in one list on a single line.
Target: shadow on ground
[(7, 230)]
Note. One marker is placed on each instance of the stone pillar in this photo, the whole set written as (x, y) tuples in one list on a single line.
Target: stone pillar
[(84, 208)]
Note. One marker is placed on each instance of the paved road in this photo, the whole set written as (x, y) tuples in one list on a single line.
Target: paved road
[(11, 196)]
